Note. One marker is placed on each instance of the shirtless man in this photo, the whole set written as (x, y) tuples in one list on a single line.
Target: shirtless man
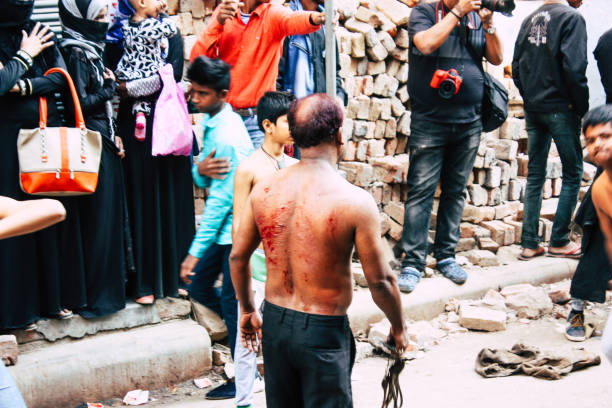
[(272, 111), (309, 218)]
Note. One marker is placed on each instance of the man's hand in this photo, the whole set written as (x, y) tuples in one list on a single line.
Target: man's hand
[(250, 330), (399, 339), (216, 168), (466, 6), (486, 16), (37, 41), (187, 268), (317, 18), (227, 10)]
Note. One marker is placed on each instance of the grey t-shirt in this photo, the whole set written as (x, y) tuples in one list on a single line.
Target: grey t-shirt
[(425, 102)]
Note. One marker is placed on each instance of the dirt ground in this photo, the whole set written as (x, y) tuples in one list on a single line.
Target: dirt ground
[(444, 376)]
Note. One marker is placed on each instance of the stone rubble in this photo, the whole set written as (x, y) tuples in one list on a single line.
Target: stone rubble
[(9, 350)]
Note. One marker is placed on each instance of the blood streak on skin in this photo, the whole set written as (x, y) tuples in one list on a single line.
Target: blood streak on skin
[(270, 229), (287, 282), (333, 225)]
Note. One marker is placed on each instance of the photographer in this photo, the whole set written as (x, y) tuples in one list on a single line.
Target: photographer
[(448, 39)]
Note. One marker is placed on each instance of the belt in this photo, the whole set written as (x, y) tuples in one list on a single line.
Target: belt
[(246, 112)]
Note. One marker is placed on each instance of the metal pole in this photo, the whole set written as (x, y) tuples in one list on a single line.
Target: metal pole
[(330, 50)]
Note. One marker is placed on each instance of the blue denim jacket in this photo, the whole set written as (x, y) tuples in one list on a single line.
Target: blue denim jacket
[(224, 132)]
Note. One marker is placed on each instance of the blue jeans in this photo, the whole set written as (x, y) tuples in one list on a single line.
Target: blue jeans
[(445, 153), (564, 128), (257, 136), (9, 393), (214, 262)]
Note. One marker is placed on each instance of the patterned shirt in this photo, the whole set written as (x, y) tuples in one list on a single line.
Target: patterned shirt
[(142, 55)]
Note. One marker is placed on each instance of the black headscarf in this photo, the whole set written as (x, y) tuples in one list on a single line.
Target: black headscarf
[(78, 21), (15, 13)]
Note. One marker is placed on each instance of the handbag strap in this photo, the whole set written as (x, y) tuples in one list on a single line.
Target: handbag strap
[(78, 115), (42, 101)]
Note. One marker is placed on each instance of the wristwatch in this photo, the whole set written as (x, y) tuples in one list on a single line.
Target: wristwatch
[(491, 30)]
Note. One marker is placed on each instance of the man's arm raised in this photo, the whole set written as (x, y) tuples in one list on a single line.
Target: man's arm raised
[(246, 241), (380, 278)]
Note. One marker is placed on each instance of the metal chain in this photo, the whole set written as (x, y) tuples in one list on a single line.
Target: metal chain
[(83, 158), (43, 146)]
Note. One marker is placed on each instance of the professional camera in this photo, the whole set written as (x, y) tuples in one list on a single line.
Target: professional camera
[(446, 82), (503, 6)]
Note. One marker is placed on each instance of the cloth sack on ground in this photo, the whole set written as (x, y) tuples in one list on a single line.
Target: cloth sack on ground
[(531, 361), (172, 131)]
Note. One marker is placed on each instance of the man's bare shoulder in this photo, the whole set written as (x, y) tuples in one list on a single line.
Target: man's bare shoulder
[(290, 160)]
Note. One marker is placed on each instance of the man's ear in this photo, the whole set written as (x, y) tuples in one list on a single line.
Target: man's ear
[(223, 93), (267, 125), (339, 140)]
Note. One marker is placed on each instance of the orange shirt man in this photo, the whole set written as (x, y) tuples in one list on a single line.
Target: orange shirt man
[(253, 49)]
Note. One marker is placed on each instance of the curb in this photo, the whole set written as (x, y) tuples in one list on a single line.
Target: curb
[(109, 365), (429, 298)]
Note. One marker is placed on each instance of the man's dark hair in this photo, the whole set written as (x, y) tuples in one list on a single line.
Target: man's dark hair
[(210, 72), (314, 119), (598, 116), (272, 106)]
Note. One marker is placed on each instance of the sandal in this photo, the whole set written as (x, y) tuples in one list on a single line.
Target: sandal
[(63, 314), (539, 252), (145, 300), (31, 327), (575, 253)]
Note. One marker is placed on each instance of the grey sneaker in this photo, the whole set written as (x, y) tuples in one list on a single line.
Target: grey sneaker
[(408, 279), (451, 270)]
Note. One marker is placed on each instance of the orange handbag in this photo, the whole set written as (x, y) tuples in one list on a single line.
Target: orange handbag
[(59, 161)]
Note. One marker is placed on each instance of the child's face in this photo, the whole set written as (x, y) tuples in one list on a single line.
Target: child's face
[(205, 99), (151, 8), (279, 131), (599, 142)]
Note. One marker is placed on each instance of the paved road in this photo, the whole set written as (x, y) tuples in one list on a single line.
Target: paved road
[(445, 376)]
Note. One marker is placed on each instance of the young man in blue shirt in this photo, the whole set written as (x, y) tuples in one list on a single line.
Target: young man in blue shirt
[(225, 133)]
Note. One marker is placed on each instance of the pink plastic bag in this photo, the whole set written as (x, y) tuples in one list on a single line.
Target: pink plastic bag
[(172, 131)]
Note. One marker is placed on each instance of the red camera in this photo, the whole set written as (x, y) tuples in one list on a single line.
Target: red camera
[(446, 82)]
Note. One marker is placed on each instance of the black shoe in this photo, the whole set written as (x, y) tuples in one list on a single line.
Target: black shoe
[(225, 391), (575, 330)]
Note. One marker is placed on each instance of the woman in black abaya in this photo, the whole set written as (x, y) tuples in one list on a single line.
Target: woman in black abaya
[(102, 218), (32, 267), (159, 189)]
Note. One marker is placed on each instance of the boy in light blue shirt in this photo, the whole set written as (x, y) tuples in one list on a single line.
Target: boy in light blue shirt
[(224, 133)]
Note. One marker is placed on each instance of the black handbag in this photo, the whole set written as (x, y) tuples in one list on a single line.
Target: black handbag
[(494, 101)]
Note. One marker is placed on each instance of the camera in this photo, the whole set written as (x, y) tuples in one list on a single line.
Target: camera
[(446, 82), (503, 6)]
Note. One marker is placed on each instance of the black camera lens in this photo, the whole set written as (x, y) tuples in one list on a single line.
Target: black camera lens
[(502, 6), (447, 89)]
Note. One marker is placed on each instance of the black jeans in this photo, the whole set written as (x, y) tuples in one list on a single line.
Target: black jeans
[(215, 261), (445, 153), (308, 359), (564, 128)]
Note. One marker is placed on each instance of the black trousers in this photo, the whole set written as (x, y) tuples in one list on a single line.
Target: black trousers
[(308, 359)]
